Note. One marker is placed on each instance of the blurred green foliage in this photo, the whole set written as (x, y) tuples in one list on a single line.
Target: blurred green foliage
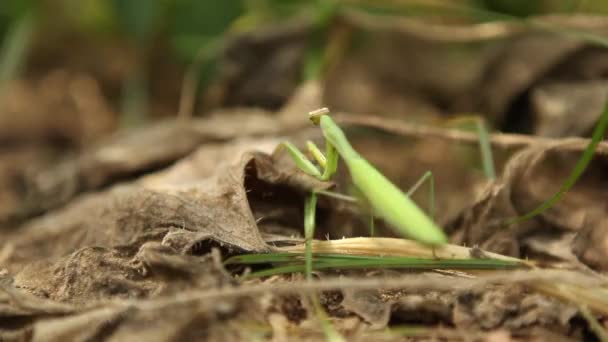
[(191, 24), (195, 24), (139, 18)]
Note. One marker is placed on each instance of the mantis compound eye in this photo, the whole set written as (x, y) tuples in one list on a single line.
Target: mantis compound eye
[(315, 115)]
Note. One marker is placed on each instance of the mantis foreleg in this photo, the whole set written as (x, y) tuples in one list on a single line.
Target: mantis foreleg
[(301, 161), (328, 163)]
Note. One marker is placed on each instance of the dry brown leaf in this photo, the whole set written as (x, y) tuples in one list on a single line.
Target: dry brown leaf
[(127, 155), (531, 177), (510, 308), (369, 305), (206, 196)]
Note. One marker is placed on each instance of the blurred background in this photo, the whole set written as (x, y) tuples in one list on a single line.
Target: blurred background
[(75, 71), (125, 61)]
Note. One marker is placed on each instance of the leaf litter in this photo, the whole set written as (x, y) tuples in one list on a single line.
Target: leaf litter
[(133, 230)]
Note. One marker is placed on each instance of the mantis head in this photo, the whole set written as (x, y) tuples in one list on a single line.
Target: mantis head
[(315, 115)]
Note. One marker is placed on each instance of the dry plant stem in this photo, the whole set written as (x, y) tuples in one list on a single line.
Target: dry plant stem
[(594, 325), (436, 32), (497, 140), (394, 247), (579, 295), (501, 25), (426, 282)]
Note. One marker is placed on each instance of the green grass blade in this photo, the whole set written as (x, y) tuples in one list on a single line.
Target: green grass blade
[(263, 258), (277, 270), (284, 263), (357, 261)]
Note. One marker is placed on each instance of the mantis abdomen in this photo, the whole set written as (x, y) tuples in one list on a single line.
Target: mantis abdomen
[(391, 204)]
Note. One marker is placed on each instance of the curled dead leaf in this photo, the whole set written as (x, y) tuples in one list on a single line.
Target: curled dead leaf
[(530, 177)]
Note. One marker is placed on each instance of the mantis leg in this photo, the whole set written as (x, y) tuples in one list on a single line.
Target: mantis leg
[(332, 161), (337, 195), (426, 176), (310, 204), (350, 199), (316, 153), (329, 161), (301, 161)]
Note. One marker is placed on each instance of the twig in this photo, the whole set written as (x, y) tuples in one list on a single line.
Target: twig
[(427, 282), (497, 140)]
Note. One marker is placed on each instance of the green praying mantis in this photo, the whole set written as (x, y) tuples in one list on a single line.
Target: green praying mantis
[(386, 200)]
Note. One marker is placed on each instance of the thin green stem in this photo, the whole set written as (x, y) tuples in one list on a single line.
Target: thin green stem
[(345, 261), (310, 209), (485, 148)]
